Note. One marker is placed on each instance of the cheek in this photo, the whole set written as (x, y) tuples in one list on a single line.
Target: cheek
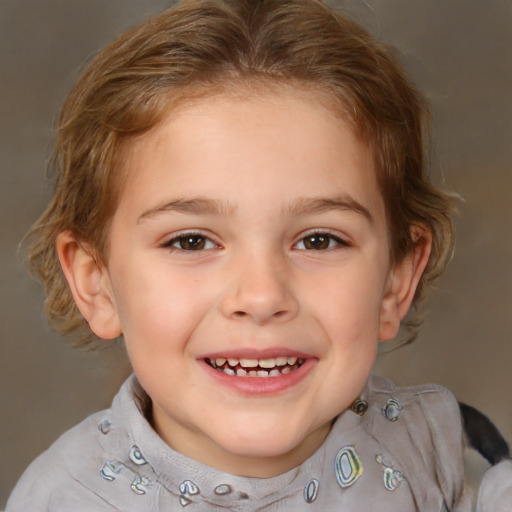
[(157, 307), (349, 304)]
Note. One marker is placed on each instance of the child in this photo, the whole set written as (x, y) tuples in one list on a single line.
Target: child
[(241, 196)]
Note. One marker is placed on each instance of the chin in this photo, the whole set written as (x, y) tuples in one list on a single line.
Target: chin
[(262, 444)]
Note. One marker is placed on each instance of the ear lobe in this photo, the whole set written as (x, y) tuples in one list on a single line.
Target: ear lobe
[(403, 282), (89, 282)]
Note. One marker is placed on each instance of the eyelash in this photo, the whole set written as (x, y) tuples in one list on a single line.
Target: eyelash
[(199, 242), (322, 236), (184, 238)]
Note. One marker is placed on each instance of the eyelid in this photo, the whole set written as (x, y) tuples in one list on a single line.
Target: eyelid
[(173, 238), (339, 239)]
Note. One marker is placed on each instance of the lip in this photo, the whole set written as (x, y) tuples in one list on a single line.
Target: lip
[(260, 386), (268, 353)]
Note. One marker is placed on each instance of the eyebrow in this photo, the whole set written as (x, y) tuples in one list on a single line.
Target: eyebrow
[(194, 206), (300, 206), (306, 205)]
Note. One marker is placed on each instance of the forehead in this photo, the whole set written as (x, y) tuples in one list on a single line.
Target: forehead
[(277, 145)]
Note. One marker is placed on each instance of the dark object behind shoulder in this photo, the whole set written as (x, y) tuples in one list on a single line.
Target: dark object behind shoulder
[(483, 435)]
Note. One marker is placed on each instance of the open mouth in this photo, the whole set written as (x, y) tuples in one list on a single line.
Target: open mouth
[(271, 367)]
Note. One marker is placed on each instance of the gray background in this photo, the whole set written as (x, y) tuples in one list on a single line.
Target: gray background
[(459, 51)]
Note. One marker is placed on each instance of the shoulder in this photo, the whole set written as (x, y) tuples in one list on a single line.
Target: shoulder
[(429, 412), (428, 406), (56, 473), (422, 425), (495, 493), (77, 472), (433, 394)]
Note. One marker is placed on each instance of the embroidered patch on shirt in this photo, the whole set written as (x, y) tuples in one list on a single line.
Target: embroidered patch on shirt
[(109, 471), (347, 466), (223, 489), (311, 490), (136, 456), (187, 489), (392, 409), (392, 477), (139, 485)]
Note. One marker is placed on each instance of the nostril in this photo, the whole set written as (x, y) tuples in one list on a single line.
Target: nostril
[(242, 314)]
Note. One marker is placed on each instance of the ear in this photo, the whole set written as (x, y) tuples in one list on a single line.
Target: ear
[(89, 282), (402, 284)]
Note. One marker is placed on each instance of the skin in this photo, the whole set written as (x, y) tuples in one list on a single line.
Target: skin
[(292, 258)]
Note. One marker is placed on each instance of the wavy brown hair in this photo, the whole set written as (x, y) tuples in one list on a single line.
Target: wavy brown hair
[(201, 47)]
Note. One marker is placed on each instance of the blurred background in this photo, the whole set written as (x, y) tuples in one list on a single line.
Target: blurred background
[(458, 51)]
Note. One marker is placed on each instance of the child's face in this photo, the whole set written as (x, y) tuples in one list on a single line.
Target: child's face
[(253, 231)]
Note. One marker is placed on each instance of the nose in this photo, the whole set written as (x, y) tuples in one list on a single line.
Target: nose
[(259, 290)]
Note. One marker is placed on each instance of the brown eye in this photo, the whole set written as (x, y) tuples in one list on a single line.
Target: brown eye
[(190, 242), (317, 242)]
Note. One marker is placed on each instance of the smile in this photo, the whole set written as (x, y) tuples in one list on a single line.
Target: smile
[(269, 367)]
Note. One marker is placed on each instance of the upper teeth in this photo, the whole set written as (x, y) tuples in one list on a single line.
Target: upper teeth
[(253, 363)]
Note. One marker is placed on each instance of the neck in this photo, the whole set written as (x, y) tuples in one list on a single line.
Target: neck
[(203, 449)]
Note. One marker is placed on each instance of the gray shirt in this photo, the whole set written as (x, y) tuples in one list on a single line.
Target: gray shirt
[(496, 489), (405, 453)]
